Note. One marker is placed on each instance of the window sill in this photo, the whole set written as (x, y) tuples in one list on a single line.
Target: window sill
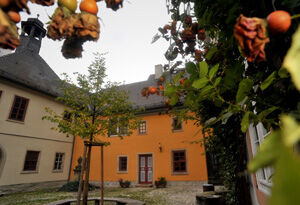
[(30, 172), (57, 171), (180, 173), (15, 121), (142, 133), (122, 172), (181, 130)]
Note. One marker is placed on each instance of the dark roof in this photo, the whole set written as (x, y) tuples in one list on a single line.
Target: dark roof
[(135, 96), (29, 69)]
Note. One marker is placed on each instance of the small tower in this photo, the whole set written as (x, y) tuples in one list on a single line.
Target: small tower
[(31, 36)]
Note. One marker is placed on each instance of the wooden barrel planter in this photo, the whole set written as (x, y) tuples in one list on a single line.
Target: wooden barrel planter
[(118, 201)]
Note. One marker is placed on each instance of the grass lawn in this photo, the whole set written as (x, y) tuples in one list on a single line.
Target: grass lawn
[(49, 195)]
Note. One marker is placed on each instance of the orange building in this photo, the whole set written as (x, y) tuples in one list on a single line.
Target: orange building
[(159, 148)]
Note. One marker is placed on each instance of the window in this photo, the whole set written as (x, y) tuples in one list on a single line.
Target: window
[(18, 109), (142, 128), (117, 129), (31, 160), (179, 161), (176, 124), (58, 162), (122, 164), (263, 176)]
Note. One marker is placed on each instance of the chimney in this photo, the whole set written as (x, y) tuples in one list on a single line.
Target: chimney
[(158, 71), (31, 36)]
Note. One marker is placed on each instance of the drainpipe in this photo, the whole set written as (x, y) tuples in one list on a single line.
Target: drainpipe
[(70, 168)]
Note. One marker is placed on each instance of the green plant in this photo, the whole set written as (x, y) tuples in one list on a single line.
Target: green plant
[(161, 182), (226, 92), (73, 187), (124, 184)]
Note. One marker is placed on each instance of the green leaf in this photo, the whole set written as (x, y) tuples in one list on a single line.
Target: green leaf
[(265, 113), (211, 52), (244, 89), (155, 38), (290, 131), (177, 77), (206, 90), (190, 67), (292, 59), (225, 117), (245, 121), (200, 83), (286, 178), (218, 80), (174, 99), (170, 90), (213, 71), (267, 152), (203, 68), (268, 81), (283, 73)]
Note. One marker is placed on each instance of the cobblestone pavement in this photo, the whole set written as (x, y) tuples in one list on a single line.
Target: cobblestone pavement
[(177, 195)]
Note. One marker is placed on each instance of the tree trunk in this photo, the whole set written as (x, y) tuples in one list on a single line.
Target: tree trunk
[(83, 168), (87, 173)]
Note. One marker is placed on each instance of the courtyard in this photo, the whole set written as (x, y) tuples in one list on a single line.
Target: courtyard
[(175, 195)]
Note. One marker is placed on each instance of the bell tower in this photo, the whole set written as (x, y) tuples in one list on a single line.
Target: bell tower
[(31, 36)]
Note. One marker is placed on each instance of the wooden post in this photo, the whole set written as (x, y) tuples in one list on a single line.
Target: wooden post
[(81, 176), (87, 174), (102, 177)]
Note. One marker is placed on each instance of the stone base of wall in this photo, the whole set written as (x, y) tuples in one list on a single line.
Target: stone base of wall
[(17, 188), (133, 183)]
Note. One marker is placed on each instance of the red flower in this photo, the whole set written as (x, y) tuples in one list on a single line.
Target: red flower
[(251, 36)]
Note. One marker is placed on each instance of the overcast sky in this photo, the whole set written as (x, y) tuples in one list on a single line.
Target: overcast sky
[(125, 34)]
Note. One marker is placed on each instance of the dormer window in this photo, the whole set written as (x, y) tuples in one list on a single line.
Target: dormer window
[(18, 109)]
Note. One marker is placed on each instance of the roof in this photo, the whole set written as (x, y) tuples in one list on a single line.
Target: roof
[(28, 68), (135, 96)]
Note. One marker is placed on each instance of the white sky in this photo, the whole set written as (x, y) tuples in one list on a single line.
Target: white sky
[(125, 34)]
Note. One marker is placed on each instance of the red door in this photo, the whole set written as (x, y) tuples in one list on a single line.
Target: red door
[(145, 169)]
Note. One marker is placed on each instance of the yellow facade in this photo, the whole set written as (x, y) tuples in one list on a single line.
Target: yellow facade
[(159, 142)]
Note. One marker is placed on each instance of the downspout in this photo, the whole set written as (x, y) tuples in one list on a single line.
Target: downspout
[(70, 168)]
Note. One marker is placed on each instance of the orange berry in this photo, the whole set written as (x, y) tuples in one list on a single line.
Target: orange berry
[(279, 21), (4, 3), (89, 6), (14, 16)]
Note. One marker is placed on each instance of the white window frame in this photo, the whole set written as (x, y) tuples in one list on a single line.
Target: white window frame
[(143, 133), (118, 129), (257, 135), (59, 161), (173, 125)]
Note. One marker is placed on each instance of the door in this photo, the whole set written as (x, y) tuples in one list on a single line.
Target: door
[(145, 169)]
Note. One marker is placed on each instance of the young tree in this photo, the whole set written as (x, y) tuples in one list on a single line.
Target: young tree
[(93, 108)]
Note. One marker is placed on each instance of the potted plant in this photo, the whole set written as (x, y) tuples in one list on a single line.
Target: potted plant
[(161, 182), (124, 184)]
